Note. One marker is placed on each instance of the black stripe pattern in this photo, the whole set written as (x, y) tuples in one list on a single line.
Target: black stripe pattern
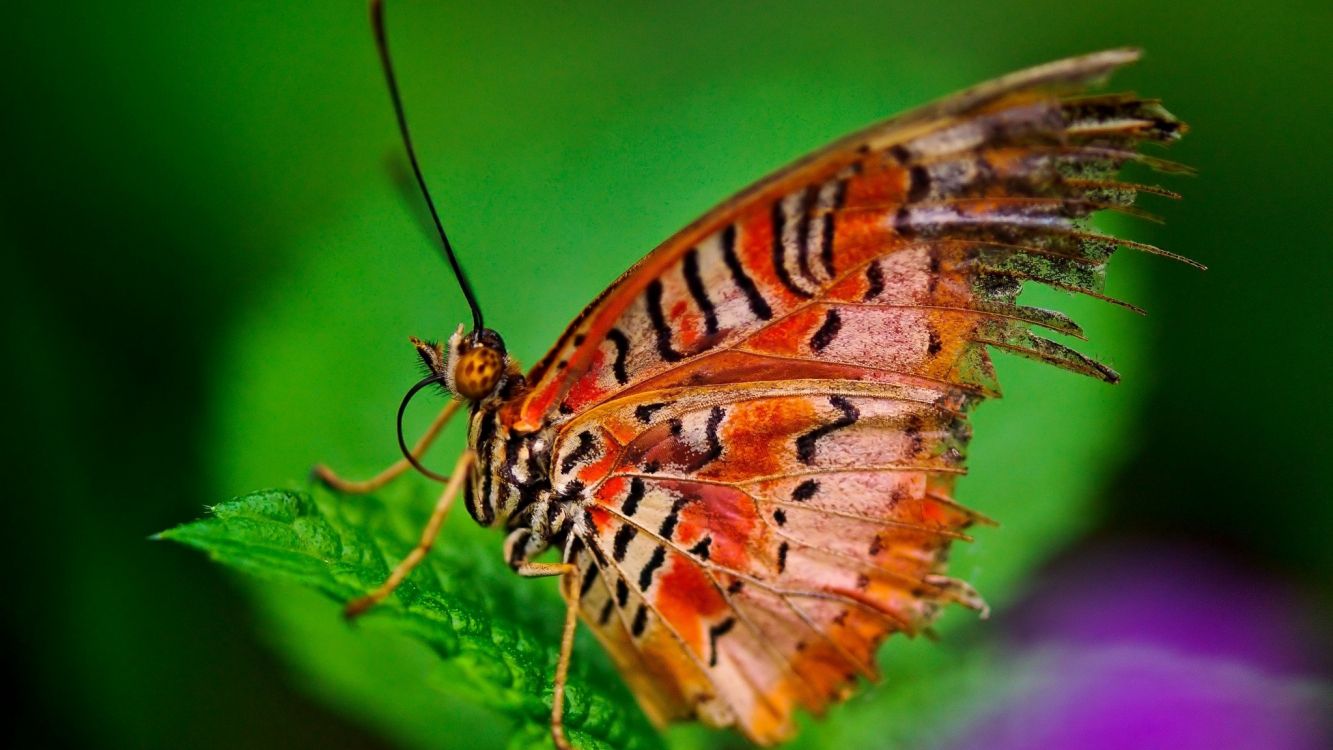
[(669, 523), (831, 199), (589, 578), (874, 281), (662, 331), (620, 545), (618, 339), (790, 219), (654, 562), (586, 448), (805, 444), (827, 331), (805, 490), (695, 283), (714, 440), (631, 504), (644, 412), (715, 632), (691, 309), (758, 305), (803, 230), (640, 621)]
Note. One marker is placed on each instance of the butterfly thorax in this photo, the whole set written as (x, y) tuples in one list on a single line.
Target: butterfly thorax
[(510, 484)]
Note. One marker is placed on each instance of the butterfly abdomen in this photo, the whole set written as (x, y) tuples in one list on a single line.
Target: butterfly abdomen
[(512, 473)]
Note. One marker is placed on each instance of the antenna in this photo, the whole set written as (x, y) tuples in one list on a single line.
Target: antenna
[(402, 443), (382, 42)]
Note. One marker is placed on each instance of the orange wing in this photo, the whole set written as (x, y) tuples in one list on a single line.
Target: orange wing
[(766, 415), (942, 212)]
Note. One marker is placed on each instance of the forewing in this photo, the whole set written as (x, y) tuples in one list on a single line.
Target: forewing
[(890, 255)]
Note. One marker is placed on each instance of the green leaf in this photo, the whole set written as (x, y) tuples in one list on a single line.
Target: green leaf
[(499, 640)]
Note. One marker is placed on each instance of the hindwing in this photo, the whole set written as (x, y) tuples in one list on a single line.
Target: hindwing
[(754, 543)]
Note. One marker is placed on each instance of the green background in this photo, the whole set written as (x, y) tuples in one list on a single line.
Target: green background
[(212, 274)]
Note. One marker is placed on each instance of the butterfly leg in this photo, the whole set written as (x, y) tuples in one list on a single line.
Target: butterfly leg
[(418, 553), (570, 585), (331, 480)]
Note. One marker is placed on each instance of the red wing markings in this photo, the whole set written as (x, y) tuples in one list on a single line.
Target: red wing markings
[(786, 595), (805, 490), (716, 630), (789, 541), (636, 624), (660, 542), (796, 236), (680, 452), (873, 269), (998, 179), (802, 225), (784, 547), (668, 528), (808, 489)]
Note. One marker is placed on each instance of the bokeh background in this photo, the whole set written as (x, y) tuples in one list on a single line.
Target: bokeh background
[(213, 268)]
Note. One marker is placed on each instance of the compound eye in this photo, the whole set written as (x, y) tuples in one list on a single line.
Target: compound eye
[(477, 372)]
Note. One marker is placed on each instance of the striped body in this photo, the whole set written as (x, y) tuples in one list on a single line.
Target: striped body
[(748, 444)]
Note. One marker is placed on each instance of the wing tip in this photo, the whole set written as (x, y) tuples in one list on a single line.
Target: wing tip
[(1079, 70), (1064, 75)]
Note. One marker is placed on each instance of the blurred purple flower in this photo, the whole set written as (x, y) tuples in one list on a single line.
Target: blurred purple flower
[(1128, 698), (1144, 647), (1179, 598)]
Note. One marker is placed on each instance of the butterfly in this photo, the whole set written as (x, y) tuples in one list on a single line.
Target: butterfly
[(743, 452)]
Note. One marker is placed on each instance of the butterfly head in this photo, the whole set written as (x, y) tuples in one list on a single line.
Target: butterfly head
[(472, 365)]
